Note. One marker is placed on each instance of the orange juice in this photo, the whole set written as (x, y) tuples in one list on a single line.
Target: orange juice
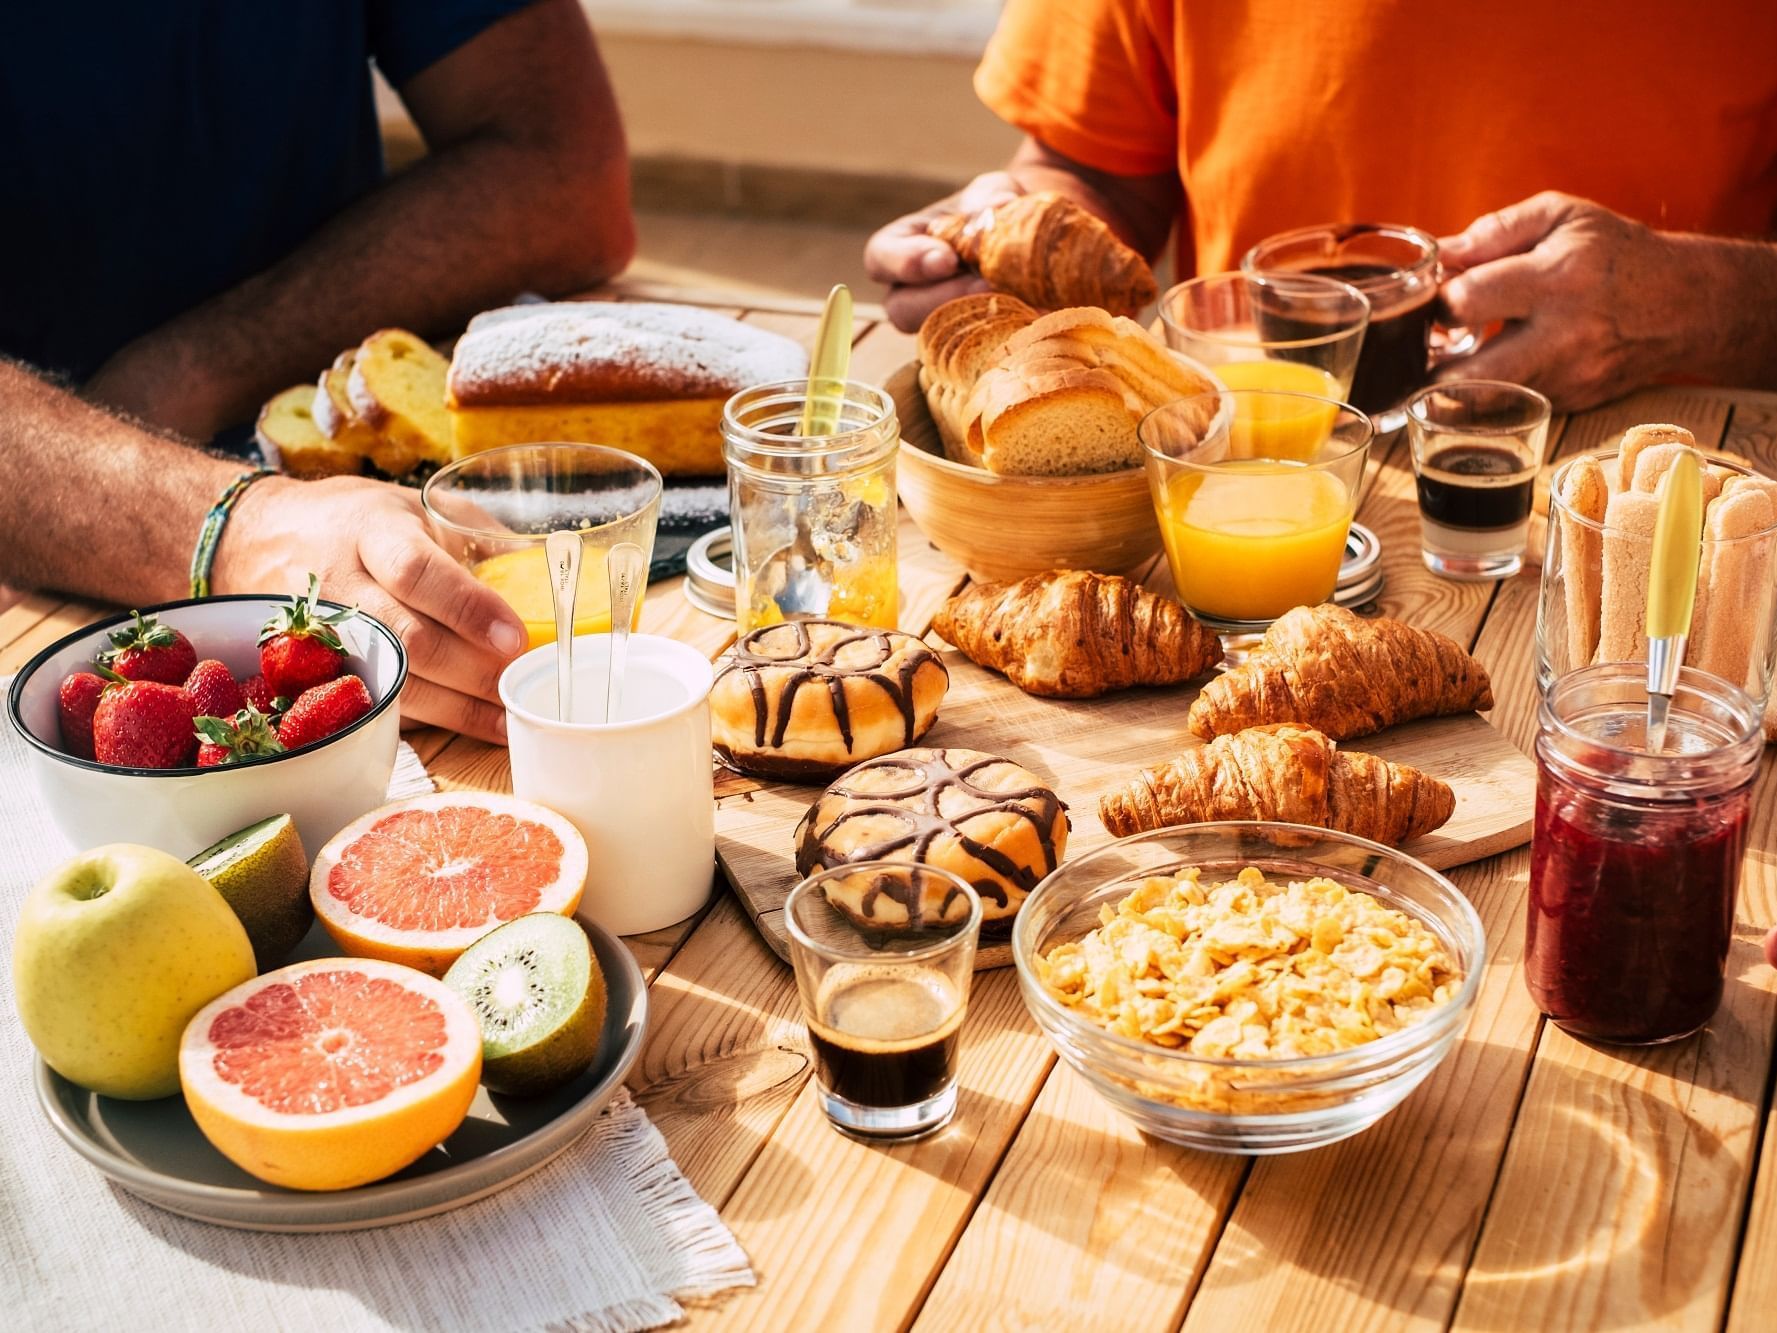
[(1280, 427), (1248, 540), (522, 578)]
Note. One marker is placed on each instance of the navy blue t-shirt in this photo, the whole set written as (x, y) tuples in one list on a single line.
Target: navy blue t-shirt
[(156, 152)]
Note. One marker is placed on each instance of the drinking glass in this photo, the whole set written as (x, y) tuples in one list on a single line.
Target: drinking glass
[(884, 1010), (1397, 269), (494, 510), (814, 515), (1255, 491), (1296, 332), (1477, 447), (1733, 630)]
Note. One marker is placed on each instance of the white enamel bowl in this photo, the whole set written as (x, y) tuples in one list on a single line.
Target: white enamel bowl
[(183, 810)]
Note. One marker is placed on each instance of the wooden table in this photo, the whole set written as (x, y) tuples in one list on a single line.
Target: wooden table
[(1533, 1181)]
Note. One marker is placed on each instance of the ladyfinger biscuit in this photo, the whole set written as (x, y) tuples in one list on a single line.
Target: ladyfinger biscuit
[(1739, 577), (1583, 492), (1637, 438), (1652, 464), (1628, 550)]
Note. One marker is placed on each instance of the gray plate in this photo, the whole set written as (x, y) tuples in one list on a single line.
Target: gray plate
[(155, 1150)]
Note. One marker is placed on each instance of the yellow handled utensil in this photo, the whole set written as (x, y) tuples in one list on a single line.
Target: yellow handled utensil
[(1672, 586), (829, 366)]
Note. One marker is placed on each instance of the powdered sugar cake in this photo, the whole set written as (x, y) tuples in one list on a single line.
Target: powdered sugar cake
[(610, 352)]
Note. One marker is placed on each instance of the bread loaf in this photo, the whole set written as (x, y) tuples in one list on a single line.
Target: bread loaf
[(1070, 393), (644, 377), (291, 442), (396, 386)]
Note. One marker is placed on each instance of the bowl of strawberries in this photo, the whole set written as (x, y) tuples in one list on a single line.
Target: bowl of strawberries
[(180, 723)]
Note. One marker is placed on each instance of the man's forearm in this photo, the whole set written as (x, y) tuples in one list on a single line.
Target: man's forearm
[(457, 233), (527, 186), (1142, 209), (1731, 301), (93, 504)]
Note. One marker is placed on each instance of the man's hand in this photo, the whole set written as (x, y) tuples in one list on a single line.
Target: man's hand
[(368, 542), (920, 271), (1594, 305)]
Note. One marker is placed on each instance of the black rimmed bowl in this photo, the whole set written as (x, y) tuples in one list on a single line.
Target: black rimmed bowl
[(183, 810)]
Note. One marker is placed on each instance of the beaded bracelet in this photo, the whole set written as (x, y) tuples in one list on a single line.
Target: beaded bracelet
[(209, 536)]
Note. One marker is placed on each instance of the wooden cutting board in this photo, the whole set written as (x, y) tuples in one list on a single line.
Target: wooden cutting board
[(1087, 747)]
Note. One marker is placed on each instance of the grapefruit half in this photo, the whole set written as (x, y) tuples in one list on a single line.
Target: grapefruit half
[(419, 881), (330, 1074)]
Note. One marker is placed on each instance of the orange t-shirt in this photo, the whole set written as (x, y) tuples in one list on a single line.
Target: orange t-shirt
[(1286, 113)]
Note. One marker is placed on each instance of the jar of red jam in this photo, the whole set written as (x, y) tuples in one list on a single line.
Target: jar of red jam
[(1635, 858)]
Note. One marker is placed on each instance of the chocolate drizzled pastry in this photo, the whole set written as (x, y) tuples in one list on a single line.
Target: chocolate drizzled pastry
[(982, 817), (807, 699)]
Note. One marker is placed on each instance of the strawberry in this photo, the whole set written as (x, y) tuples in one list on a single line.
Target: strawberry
[(299, 648), (149, 650), (213, 690), (78, 697), (325, 709), (144, 724), (257, 691), (245, 735)]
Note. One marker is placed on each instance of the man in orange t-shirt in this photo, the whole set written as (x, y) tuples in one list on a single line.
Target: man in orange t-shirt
[(1241, 118)]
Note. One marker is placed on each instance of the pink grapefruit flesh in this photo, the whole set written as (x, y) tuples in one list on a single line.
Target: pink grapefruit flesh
[(330, 1074), (419, 881)]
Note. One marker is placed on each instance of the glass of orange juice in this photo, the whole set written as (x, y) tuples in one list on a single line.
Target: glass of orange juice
[(493, 510), (1292, 332), (1255, 490)]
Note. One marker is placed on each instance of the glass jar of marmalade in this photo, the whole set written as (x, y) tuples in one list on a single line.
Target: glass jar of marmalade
[(1635, 858)]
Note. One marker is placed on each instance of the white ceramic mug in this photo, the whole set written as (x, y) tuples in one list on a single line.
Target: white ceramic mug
[(640, 789)]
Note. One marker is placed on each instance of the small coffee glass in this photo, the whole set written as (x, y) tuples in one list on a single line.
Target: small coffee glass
[(1294, 332), (884, 1010), (1477, 447), (1396, 268)]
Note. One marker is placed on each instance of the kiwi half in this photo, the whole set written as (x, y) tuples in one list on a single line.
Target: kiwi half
[(540, 998)]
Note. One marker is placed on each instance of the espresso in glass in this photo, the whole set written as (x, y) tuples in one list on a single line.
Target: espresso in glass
[(883, 952), (1396, 268), (885, 1037), (1477, 447)]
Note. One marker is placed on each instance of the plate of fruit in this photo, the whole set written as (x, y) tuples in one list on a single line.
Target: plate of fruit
[(408, 1022)]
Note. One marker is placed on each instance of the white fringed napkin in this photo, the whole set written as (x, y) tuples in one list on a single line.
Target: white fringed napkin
[(601, 1240)]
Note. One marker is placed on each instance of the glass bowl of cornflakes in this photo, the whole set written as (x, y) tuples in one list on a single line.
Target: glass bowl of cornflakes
[(1250, 987)]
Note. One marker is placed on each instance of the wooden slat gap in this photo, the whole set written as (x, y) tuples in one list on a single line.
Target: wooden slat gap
[(1214, 1243)]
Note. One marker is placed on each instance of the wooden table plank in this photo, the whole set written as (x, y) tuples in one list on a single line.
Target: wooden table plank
[(30, 633), (1088, 1223)]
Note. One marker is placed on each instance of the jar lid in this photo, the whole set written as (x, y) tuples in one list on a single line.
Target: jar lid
[(1360, 574), (709, 573)]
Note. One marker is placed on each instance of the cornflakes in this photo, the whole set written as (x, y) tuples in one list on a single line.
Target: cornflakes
[(1250, 969)]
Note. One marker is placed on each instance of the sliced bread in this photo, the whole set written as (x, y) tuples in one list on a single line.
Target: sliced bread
[(396, 387), (294, 444), (1054, 422), (334, 413)]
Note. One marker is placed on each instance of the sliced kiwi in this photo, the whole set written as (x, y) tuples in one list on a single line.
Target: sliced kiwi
[(540, 998), (263, 874)]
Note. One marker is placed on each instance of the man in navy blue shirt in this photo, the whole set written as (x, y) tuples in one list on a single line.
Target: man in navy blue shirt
[(194, 215)]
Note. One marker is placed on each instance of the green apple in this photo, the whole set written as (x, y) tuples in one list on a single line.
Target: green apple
[(115, 951)]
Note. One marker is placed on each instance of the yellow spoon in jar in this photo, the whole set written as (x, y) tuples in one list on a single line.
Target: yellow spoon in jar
[(1672, 587), (829, 365)]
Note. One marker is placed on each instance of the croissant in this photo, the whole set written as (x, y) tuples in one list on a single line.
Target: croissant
[(1282, 772), (1071, 634), (1323, 667), (1045, 249)]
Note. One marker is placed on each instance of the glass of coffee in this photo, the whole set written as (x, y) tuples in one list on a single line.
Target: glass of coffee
[(884, 1010), (1477, 446), (1291, 332), (1396, 268)]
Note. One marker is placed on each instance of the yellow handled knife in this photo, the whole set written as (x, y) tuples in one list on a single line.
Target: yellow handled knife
[(1672, 586)]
